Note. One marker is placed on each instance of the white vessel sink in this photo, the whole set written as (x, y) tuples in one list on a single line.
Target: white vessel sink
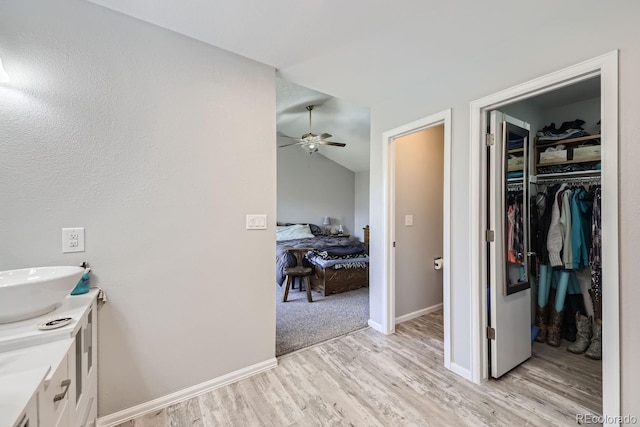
[(31, 292)]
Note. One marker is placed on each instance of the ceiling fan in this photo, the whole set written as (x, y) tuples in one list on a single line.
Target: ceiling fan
[(310, 142)]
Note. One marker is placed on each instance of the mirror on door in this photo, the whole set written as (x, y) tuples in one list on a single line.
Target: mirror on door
[(515, 196)]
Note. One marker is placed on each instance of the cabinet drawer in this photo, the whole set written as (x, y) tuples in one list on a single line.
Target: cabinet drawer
[(54, 402)]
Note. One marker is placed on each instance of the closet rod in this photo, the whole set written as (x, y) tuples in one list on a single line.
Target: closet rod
[(511, 186), (569, 180)]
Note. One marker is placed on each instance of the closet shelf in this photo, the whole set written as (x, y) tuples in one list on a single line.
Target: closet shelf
[(568, 162), (567, 156), (567, 141)]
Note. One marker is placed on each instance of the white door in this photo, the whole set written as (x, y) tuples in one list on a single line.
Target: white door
[(509, 289)]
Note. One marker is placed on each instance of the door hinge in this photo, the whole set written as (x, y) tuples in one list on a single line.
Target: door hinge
[(489, 139), (489, 235), (491, 333), (394, 244)]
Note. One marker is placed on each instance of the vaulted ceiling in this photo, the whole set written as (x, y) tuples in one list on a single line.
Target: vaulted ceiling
[(377, 52), (346, 121)]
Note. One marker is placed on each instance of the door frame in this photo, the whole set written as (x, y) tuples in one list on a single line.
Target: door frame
[(605, 66), (388, 166)]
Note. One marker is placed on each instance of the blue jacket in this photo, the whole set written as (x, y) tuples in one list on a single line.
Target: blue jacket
[(581, 207)]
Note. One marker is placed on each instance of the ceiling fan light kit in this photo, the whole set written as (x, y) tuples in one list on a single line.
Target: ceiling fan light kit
[(310, 148), (311, 142)]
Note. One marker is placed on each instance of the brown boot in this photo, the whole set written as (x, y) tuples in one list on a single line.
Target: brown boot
[(555, 327), (541, 322)]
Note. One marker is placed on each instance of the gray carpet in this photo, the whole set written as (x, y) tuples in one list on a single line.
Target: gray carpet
[(300, 324)]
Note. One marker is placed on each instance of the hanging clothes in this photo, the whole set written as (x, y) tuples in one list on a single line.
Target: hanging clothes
[(581, 207), (518, 230), (544, 205), (554, 237), (565, 226), (595, 258), (534, 233), (511, 218), (515, 229)]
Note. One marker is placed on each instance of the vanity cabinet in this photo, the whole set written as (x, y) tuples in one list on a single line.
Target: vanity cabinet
[(53, 381)]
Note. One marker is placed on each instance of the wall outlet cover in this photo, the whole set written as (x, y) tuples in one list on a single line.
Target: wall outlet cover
[(73, 239)]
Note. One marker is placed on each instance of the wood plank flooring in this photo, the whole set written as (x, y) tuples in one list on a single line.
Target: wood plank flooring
[(369, 379)]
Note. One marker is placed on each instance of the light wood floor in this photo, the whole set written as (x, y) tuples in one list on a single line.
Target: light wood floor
[(369, 379)]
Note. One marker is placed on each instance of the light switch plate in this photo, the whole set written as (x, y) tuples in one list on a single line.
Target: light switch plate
[(73, 239), (256, 222), (408, 220)]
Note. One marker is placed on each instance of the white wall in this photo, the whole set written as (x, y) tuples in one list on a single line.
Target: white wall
[(312, 186), (361, 216), (587, 110), (140, 135), (419, 181), (499, 68)]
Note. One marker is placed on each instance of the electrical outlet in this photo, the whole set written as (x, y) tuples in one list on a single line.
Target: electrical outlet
[(72, 240)]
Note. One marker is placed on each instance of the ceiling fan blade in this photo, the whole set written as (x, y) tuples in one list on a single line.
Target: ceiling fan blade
[(336, 144), (325, 136), (280, 135), (287, 145)]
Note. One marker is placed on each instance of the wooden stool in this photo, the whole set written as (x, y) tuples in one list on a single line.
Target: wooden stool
[(304, 273)]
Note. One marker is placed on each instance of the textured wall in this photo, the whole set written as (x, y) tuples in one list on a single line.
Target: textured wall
[(312, 186), (141, 136), (419, 175), (361, 216)]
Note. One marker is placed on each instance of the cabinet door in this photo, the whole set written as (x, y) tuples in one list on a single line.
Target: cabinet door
[(510, 298), (30, 416), (85, 356), (54, 398)]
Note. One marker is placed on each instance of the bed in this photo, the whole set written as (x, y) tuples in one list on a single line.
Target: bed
[(339, 264)]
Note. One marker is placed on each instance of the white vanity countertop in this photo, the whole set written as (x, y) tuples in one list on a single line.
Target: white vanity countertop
[(26, 333), (21, 373)]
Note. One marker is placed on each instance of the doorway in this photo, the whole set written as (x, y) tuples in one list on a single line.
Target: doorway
[(419, 167), (604, 67), (443, 119)]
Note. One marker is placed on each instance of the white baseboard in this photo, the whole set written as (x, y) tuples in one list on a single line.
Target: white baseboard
[(187, 393), (418, 313), (463, 372), (375, 325)]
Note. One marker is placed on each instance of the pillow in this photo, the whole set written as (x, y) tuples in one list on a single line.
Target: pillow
[(315, 230), (296, 231)]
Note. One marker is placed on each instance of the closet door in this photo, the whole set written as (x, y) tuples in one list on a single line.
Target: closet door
[(510, 298)]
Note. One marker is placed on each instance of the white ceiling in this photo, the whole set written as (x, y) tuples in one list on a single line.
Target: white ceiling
[(346, 121), (373, 52), (281, 33)]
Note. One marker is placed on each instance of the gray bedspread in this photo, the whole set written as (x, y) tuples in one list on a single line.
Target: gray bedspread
[(325, 243)]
